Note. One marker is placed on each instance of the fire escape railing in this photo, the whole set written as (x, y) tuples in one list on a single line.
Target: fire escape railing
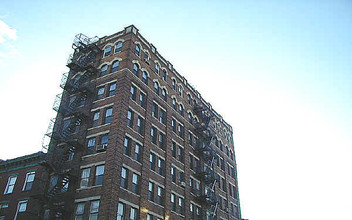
[(65, 138), (207, 196)]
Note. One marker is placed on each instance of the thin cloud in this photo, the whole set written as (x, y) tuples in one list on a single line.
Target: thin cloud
[(6, 32)]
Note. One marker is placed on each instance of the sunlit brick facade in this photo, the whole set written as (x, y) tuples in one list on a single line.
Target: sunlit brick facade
[(134, 140)]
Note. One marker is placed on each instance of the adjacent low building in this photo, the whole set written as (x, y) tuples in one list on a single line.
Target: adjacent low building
[(22, 182)]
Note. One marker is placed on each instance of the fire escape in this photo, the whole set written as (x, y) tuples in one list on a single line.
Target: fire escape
[(205, 172), (67, 132)]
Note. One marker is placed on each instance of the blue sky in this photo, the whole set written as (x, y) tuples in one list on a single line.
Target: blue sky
[(278, 71)]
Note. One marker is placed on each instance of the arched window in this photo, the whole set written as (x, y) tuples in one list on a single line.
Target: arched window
[(137, 50), (115, 66), (164, 94), (173, 84), (107, 51), (156, 87), (174, 103), (157, 68), (164, 75), (189, 99), (227, 151), (135, 69), (231, 155), (145, 77), (103, 70), (118, 47), (190, 117), (180, 107)]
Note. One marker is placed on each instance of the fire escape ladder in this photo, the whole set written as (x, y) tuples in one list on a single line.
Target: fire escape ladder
[(62, 133)]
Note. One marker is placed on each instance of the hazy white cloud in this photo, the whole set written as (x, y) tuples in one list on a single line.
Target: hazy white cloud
[(7, 32)]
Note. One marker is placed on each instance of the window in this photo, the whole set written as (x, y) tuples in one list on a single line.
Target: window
[(181, 109), (104, 140), (112, 89), (127, 146), (173, 202), (130, 114), (155, 110), (133, 213), (164, 75), (174, 103), (115, 66), (180, 91), (173, 174), (153, 134), (156, 87), (94, 210), (120, 211), (222, 164), (107, 51), (160, 196), (162, 117), (135, 183), (181, 206), (140, 125), (145, 77), (108, 115), (137, 152), (223, 184), (173, 84), (133, 93), (103, 70), (118, 47), (29, 181), (227, 151), (163, 94), (180, 131), (96, 117), (173, 149), (189, 99), (91, 145), (137, 50), (181, 177), (152, 161), (162, 142), (79, 211), (173, 125), (142, 100), (161, 166), (10, 184), (3, 210), (190, 117), (151, 191), (21, 207), (124, 178), (135, 69), (181, 154), (99, 175), (85, 178), (157, 70), (100, 93)]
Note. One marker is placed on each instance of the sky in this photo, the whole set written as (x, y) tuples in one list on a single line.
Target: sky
[(278, 71)]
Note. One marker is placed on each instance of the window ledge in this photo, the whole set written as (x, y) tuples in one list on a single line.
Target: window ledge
[(89, 187)]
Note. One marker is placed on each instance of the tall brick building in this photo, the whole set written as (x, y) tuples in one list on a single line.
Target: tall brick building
[(134, 140)]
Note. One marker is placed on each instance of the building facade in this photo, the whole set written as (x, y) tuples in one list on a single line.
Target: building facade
[(22, 182), (134, 140)]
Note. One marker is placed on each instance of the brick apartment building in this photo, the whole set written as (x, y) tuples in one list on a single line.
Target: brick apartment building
[(21, 181), (134, 140)]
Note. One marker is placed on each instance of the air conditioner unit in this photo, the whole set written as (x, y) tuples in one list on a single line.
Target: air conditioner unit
[(183, 184), (147, 60), (102, 147)]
